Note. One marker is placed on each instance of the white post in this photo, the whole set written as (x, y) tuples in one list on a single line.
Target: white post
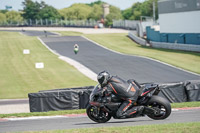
[(154, 13)]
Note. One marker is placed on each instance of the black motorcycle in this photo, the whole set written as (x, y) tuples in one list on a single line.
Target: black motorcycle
[(101, 109)]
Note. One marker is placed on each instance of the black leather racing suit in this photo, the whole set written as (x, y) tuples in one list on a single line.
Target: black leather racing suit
[(126, 90)]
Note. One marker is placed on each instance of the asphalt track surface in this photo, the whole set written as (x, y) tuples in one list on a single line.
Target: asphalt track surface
[(15, 101), (181, 116), (97, 59)]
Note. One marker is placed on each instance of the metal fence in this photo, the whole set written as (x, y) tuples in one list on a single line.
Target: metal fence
[(125, 24), (51, 23)]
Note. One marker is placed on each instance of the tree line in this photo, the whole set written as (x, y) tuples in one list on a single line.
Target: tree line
[(93, 11)]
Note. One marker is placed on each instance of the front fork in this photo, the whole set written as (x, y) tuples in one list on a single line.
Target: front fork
[(96, 111)]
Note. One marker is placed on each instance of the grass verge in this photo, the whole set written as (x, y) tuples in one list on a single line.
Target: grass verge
[(18, 73), (50, 113), (185, 104), (80, 111), (193, 127)]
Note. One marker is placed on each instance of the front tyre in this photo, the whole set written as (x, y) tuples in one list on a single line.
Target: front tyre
[(161, 106), (98, 115)]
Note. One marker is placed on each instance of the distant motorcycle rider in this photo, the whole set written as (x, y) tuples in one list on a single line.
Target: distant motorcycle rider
[(125, 90)]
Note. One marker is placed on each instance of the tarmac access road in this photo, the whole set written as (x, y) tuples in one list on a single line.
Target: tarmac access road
[(97, 59), (60, 123)]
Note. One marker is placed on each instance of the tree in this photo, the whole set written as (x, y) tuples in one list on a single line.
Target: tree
[(2, 18), (136, 8), (49, 12), (140, 9), (115, 14), (34, 10), (13, 16), (127, 13), (96, 13), (99, 2), (31, 9), (3, 11), (137, 15), (76, 12)]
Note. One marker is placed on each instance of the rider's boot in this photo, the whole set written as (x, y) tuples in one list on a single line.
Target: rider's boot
[(134, 111)]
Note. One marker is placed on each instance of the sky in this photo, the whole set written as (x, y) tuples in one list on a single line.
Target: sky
[(59, 4)]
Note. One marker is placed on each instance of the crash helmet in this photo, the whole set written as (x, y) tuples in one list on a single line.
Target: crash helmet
[(103, 78)]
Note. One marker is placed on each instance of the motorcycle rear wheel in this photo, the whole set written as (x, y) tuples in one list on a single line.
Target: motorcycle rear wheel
[(103, 117), (161, 105)]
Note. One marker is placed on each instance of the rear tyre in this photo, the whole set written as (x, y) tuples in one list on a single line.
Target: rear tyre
[(101, 117), (162, 107)]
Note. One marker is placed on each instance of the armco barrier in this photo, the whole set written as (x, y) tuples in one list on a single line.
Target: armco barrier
[(78, 98), (177, 46), (137, 39)]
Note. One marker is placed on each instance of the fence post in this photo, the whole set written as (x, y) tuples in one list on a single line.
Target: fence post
[(56, 22), (46, 22), (36, 22), (61, 22), (51, 22)]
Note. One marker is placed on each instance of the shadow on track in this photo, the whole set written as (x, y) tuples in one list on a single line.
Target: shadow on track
[(116, 122)]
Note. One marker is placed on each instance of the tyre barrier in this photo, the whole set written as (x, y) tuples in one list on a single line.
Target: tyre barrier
[(77, 98)]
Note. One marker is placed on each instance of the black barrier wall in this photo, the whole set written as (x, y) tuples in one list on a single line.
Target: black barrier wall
[(78, 98), (193, 90), (59, 99), (174, 92)]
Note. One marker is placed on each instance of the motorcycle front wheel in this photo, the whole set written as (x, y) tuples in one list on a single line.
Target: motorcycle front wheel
[(97, 114), (161, 106)]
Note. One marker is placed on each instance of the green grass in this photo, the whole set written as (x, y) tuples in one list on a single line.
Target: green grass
[(121, 43), (186, 104), (49, 113), (158, 128), (18, 75), (80, 111)]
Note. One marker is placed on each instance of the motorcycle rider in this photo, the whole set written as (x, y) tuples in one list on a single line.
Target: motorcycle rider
[(125, 90)]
